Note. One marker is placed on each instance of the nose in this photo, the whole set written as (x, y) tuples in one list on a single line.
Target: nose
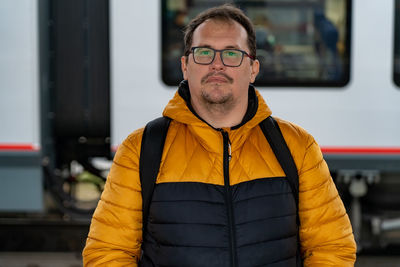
[(217, 64)]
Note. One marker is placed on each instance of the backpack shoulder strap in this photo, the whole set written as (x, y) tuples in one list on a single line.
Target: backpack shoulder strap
[(151, 150), (274, 136)]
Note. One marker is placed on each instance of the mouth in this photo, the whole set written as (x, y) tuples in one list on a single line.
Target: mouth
[(216, 79)]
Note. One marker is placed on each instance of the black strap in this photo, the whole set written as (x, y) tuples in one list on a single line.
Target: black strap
[(274, 136), (152, 146)]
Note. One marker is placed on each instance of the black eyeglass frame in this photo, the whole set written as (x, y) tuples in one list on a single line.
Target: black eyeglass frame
[(244, 53)]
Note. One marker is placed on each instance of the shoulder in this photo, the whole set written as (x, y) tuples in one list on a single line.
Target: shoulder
[(134, 138), (294, 134), (299, 141), (131, 145)]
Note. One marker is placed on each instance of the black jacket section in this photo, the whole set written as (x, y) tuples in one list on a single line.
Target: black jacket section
[(188, 225)]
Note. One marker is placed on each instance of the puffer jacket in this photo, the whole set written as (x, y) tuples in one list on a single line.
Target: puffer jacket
[(221, 199)]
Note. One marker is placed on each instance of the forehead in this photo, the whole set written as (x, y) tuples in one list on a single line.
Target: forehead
[(219, 34)]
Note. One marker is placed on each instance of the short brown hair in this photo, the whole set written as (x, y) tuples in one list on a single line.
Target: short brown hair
[(224, 12)]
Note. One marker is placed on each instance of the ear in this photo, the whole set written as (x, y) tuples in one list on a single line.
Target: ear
[(255, 68), (184, 67)]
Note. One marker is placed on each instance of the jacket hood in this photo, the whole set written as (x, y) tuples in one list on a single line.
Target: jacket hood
[(180, 109)]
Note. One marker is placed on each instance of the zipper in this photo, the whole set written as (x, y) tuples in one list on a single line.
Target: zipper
[(228, 198)]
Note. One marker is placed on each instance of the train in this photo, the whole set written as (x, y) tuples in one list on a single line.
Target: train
[(77, 77)]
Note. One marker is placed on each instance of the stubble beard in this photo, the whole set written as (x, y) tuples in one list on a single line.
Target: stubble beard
[(217, 99)]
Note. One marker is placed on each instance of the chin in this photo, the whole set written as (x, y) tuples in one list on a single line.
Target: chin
[(218, 86), (217, 98)]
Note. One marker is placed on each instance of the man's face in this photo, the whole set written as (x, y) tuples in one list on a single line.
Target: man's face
[(216, 83)]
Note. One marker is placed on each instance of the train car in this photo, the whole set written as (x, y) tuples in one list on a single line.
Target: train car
[(79, 76), (330, 66)]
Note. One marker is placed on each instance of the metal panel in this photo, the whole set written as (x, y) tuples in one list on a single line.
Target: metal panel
[(363, 162), (21, 187)]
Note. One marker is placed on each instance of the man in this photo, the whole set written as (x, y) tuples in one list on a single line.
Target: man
[(221, 197)]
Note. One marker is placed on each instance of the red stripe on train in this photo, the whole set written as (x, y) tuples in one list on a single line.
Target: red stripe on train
[(18, 147)]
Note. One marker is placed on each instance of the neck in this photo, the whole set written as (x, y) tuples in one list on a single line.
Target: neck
[(223, 115)]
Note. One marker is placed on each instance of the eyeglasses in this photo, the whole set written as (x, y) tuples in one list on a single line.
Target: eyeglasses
[(229, 57)]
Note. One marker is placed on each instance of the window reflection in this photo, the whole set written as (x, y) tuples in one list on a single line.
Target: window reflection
[(299, 42)]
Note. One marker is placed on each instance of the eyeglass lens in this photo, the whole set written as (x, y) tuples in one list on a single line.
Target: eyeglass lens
[(203, 55)]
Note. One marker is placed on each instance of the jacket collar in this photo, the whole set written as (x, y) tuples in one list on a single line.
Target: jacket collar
[(180, 109), (184, 92)]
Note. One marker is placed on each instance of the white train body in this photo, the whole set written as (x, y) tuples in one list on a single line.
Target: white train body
[(364, 114)]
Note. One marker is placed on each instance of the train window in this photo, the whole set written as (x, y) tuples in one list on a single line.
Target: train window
[(299, 42), (396, 62)]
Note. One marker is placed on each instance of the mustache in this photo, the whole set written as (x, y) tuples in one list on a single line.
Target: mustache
[(208, 75)]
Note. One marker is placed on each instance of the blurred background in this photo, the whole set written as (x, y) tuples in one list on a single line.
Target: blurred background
[(77, 76)]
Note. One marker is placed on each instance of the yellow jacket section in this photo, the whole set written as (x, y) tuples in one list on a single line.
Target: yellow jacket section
[(193, 152)]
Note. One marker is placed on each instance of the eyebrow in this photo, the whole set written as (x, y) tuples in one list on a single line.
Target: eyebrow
[(226, 47)]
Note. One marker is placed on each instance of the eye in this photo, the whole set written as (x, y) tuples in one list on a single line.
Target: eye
[(203, 52), (231, 53)]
